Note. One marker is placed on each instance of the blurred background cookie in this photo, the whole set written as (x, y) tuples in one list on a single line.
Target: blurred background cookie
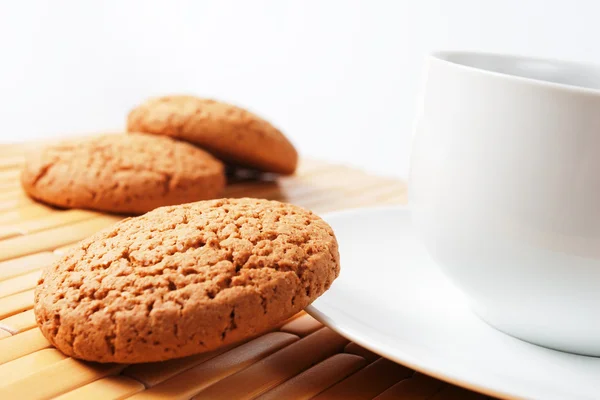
[(231, 133), (121, 173)]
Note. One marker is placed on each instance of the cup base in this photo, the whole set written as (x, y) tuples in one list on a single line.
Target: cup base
[(541, 338)]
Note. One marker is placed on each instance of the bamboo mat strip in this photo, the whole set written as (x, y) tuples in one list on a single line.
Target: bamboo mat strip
[(19, 322), (151, 374), (368, 382), (4, 334), (57, 379), (45, 222), (62, 250), (368, 355), (303, 326), (17, 149), (52, 238), (8, 185), (295, 186), (277, 368), (29, 364), (316, 379), (16, 303), (22, 265), (416, 387), (22, 344), (14, 202), (25, 213), (10, 175), (450, 392), (188, 383), (112, 387), (11, 162), (19, 284), (17, 193)]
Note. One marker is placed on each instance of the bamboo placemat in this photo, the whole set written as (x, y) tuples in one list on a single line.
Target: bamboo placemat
[(301, 359)]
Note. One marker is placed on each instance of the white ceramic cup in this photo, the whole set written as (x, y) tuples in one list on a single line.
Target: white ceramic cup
[(504, 190)]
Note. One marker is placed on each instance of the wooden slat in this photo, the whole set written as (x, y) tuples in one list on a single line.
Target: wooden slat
[(302, 326), (4, 334), (339, 198), (308, 166), (151, 374), (417, 387), (397, 199), (16, 303), (368, 355), (25, 213), (29, 364), (277, 368), (45, 222), (9, 185), (60, 251), (292, 187), (52, 238), (305, 166), (12, 194), (19, 322), (265, 190), (290, 319), (380, 193), (359, 196), (328, 184), (19, 284), (316, 379), (11, 162), (20, 148), (455, 393), (12, 203), (186, 384), (10, 175), (326, 187), (22, 344), (368, 382), (112, 387), (24, 265), (306, 169), (57, 379)]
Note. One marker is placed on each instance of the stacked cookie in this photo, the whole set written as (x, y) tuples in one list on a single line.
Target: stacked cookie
[(188, 276), (173, 153), (230, 133)]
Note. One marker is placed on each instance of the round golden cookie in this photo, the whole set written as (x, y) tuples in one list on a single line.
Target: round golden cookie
[(185, 279), (128, 174), (230, 133)]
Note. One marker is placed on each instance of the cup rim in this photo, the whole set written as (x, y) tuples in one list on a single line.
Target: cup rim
[(444, 55)]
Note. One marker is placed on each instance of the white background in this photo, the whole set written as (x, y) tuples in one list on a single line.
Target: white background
[(340, 78)]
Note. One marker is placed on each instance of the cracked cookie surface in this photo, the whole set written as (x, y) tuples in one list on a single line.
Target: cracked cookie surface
[(129, 174), (231, 133), (185, 279)]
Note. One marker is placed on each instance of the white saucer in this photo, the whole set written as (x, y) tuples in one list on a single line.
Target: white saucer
[(391, 298)]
